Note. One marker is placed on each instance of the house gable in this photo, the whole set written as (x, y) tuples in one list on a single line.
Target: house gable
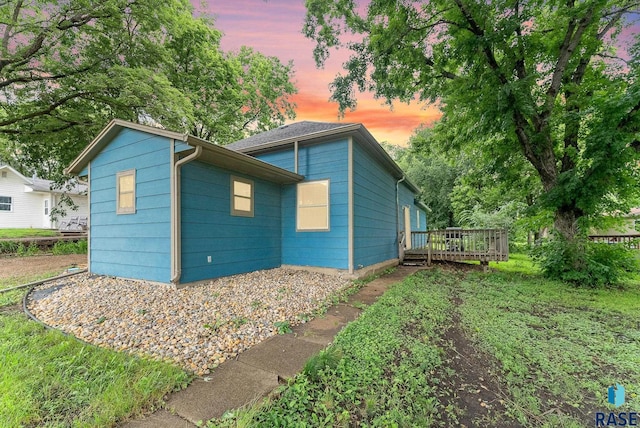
[(136, 245)]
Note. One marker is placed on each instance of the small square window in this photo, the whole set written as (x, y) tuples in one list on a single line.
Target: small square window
[(126, 192), (5, 203), (241, 197), (313, 206)]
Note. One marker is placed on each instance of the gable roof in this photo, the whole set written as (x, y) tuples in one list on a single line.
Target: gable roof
[(41, 185), (317, 132), (211, 153), (294, 131)]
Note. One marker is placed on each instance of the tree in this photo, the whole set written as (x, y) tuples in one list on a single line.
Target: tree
[(540, 79), (67, 68), (233, 94)]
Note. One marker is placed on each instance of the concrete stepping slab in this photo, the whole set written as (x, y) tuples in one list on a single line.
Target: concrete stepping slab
[(160, 419), (283, 355), (230, 386), (323, 329)]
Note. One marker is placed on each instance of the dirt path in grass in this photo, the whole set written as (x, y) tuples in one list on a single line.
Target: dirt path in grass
[(470, 385), (18, 267)]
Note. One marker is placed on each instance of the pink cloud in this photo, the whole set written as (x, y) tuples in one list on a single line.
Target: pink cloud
[(274, 28)]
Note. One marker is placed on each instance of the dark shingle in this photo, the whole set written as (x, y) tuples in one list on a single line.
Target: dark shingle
[(285, 132)]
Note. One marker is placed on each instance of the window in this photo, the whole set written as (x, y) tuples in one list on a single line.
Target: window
[(313, 205), (5, 203), (46, 207), (126, 192), (241, 197), (417, 219)]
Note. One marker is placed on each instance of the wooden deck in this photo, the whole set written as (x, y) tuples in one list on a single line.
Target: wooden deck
[(484, 245)]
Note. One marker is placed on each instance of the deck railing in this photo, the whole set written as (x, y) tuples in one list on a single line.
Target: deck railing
[(632, 241), (461, 244)]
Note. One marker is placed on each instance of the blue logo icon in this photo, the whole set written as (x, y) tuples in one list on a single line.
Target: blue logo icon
[(616, 395)]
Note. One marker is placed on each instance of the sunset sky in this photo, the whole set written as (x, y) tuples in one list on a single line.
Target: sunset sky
[(274, 27)]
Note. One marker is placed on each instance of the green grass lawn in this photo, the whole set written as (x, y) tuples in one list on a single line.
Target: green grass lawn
[(555, 350), (26, 233), (50, 380)]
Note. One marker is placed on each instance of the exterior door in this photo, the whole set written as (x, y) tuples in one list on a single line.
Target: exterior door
[(407, 226), (47, 212)]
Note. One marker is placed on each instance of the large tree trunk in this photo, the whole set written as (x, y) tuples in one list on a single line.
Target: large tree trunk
[(566, 222)]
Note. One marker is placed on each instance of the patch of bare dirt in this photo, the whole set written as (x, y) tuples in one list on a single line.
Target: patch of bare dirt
[(16, 267), (470, 384)]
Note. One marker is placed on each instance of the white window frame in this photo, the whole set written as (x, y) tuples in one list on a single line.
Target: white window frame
[(239, 212), (300, 207), (125, 210), (10, 203)]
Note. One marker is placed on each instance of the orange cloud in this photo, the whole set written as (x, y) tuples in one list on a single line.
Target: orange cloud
[(393, 126)]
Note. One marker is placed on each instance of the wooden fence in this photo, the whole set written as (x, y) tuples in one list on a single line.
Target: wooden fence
[(484, 245)]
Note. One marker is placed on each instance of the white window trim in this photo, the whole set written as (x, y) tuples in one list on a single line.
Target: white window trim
[(328, 205), (242, 213), (10, 203), (418, 219), (125, 210)]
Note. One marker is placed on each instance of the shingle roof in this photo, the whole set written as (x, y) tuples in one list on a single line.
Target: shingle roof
[(286, 132)]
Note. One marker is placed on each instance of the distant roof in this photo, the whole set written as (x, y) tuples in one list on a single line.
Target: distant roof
[(41, 185), (289, 132)]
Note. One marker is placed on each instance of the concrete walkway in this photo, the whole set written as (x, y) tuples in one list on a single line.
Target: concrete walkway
[(256, 372)]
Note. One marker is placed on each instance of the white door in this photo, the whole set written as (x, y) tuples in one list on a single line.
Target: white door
[(47, 213), (407, 226)]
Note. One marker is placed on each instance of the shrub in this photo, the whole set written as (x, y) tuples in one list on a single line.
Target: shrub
[(68, 247), (585, 263)]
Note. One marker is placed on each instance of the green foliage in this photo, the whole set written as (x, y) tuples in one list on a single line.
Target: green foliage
[(377, 373), (47, 379), (534, 89), (556, 348), (26, 233), (283, 327), (69, 68), (585, 263), (69, 247), (31, 250)]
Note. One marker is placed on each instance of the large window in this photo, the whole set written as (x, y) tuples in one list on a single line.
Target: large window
[(313, 206), (5, 203), (241, 197), (126, 192)]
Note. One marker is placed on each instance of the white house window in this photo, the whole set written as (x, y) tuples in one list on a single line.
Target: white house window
[(126, 192), (46, 207), (5, 203), (313, 205), (241, 197)]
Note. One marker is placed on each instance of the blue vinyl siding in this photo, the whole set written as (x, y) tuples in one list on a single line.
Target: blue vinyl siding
[(236, 244), (374, 207), (407, 199), (132, 245), (316, 162)]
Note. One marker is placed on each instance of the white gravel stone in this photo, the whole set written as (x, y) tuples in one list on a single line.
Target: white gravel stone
[(197, 327)]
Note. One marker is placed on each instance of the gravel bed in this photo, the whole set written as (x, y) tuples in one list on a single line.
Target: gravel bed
[(197, 327)]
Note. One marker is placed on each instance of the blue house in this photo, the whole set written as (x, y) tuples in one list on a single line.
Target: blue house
[(170, 207)]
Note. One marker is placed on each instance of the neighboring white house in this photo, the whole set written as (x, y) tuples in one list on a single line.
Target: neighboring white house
[(27, 202)]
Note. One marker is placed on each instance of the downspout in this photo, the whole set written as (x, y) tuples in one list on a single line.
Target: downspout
[(295, 156), (176, 245), (398, 212)]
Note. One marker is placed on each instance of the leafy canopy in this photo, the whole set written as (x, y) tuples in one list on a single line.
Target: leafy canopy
[(542, 80), (67, 68)]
